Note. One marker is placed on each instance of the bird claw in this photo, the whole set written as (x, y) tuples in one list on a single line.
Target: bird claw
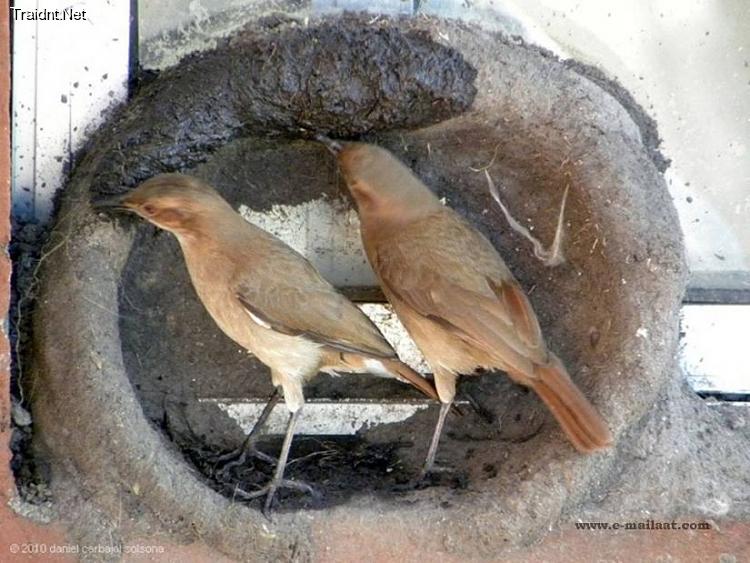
[(270, 492), (428, 473), (240, 456), (426, 478), (411, 485), (436, 468)]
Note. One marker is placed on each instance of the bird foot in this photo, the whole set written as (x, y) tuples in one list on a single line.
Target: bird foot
[(269, 491), (427, 477), (240, 456), (428, 474), (436, 468)]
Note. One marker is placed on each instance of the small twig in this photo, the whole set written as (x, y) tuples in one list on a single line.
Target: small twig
[(325, 453), (551, 257), (489, 164), (28, 295)]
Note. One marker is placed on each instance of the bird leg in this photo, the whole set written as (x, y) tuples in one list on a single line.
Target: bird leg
[(278, 481), (248, 447), (430, 460)]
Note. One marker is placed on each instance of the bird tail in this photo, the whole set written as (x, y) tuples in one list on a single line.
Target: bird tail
[(386, 367), (583, 425), (408, 375)]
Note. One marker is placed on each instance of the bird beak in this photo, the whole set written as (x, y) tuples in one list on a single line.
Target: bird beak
[(333, 146), (111, 203)]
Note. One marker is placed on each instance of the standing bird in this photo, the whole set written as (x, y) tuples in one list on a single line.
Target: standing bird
[(454, 294), (266, 297)]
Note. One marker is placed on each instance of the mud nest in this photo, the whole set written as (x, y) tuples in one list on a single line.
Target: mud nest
[(123, 347)]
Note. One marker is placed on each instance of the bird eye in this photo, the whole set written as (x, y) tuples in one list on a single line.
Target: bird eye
[(148, 209)]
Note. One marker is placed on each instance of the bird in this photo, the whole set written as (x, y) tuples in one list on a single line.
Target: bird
[(267, 298), (454, 294)]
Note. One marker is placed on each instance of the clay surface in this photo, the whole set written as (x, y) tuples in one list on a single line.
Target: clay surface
[(124, 348), (281, 78)]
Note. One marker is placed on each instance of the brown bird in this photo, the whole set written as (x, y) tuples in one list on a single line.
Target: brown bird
[(455, 295), (267, 298)]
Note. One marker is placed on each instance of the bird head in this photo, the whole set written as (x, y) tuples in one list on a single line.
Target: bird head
[(361, 166), (381, 183), (173, 202)]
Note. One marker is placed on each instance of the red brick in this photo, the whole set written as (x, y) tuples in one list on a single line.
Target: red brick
[(729, 538), (6, 481)]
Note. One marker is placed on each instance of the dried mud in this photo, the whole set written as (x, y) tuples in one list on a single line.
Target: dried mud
[(119, 333)]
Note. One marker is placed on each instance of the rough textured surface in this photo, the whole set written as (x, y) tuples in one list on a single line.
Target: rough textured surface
[(646, 124), (14, 529), (686, 456), (610, 312), (5, 404), (281, 78)]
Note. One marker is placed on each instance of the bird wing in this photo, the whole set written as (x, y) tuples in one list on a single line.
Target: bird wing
[(285, 293), (446, 271)]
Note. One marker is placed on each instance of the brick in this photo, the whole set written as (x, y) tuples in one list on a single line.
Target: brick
[(6, 479)]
